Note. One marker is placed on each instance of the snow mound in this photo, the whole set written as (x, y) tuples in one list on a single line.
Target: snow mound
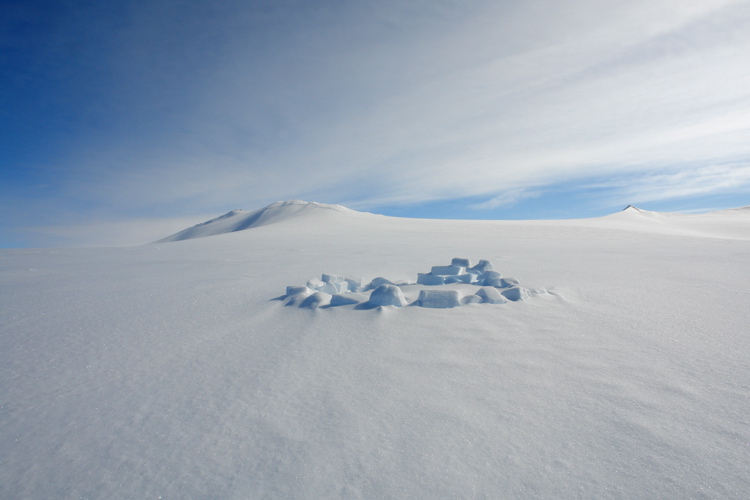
[(239, 220), (491, 295), (318, 299), (444, 287), (387, 295)]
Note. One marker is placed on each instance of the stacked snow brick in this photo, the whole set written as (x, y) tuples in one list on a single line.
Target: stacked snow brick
[(459, 271), (335, 284), (439, 299), (336, 290)]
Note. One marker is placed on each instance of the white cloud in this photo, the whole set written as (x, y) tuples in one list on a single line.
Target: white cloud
[(683, 183), (403, 103), (506, 199)]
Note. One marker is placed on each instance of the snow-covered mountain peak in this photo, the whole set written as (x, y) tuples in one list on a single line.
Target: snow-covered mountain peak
[(631, 208)]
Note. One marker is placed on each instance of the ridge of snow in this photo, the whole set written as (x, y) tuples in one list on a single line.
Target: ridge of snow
[(737, 210)]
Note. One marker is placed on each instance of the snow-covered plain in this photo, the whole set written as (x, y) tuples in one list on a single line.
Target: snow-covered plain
[(172, 370)]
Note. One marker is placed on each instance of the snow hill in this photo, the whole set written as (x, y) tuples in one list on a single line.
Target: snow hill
[(188, 369), (239, 220), (729, 223)]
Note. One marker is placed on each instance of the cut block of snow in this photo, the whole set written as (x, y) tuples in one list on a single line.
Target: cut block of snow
[(482, 267), (439, 299), (516, 293), (487, 275), (355, 283), (461, 278), (334, 288), (447, 270), (318, 299), (490, 295), (471, 299), (460, 262), (296, 294), (297, 290), (333, 278), (387, 295), (430, 279), (347, 299), (508, 282), (315, 284), (377, 282)]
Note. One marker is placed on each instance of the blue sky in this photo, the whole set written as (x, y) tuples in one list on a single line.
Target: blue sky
[(121, 122)]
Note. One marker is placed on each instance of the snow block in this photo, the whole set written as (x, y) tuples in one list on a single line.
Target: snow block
[(318, 299), (509, 282), (315, 284), (430, 279), (335, 287), (296, 294), (355, 284), (438, 299), (516, 293), (387, 295), (447, 270), (489, 275), (296, 290), (490, 295), (333, 278), (482, 267), (471, 299), (347, 299), (377, 282), (461, 278), (460, 262)]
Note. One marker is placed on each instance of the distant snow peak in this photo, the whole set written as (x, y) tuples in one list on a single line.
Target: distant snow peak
[(239, 220), (632, 208), (443, 287)]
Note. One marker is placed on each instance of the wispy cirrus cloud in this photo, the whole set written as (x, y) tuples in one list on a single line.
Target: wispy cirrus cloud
[(680, 183)]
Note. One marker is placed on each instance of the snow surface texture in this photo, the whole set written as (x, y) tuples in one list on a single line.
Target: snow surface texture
[(165, 371), (334, 290)]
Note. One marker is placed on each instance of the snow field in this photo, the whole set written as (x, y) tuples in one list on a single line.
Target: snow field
[(166, 371)]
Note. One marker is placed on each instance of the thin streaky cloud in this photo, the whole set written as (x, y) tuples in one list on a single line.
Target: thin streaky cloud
[(679, 184), (209, 107)]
